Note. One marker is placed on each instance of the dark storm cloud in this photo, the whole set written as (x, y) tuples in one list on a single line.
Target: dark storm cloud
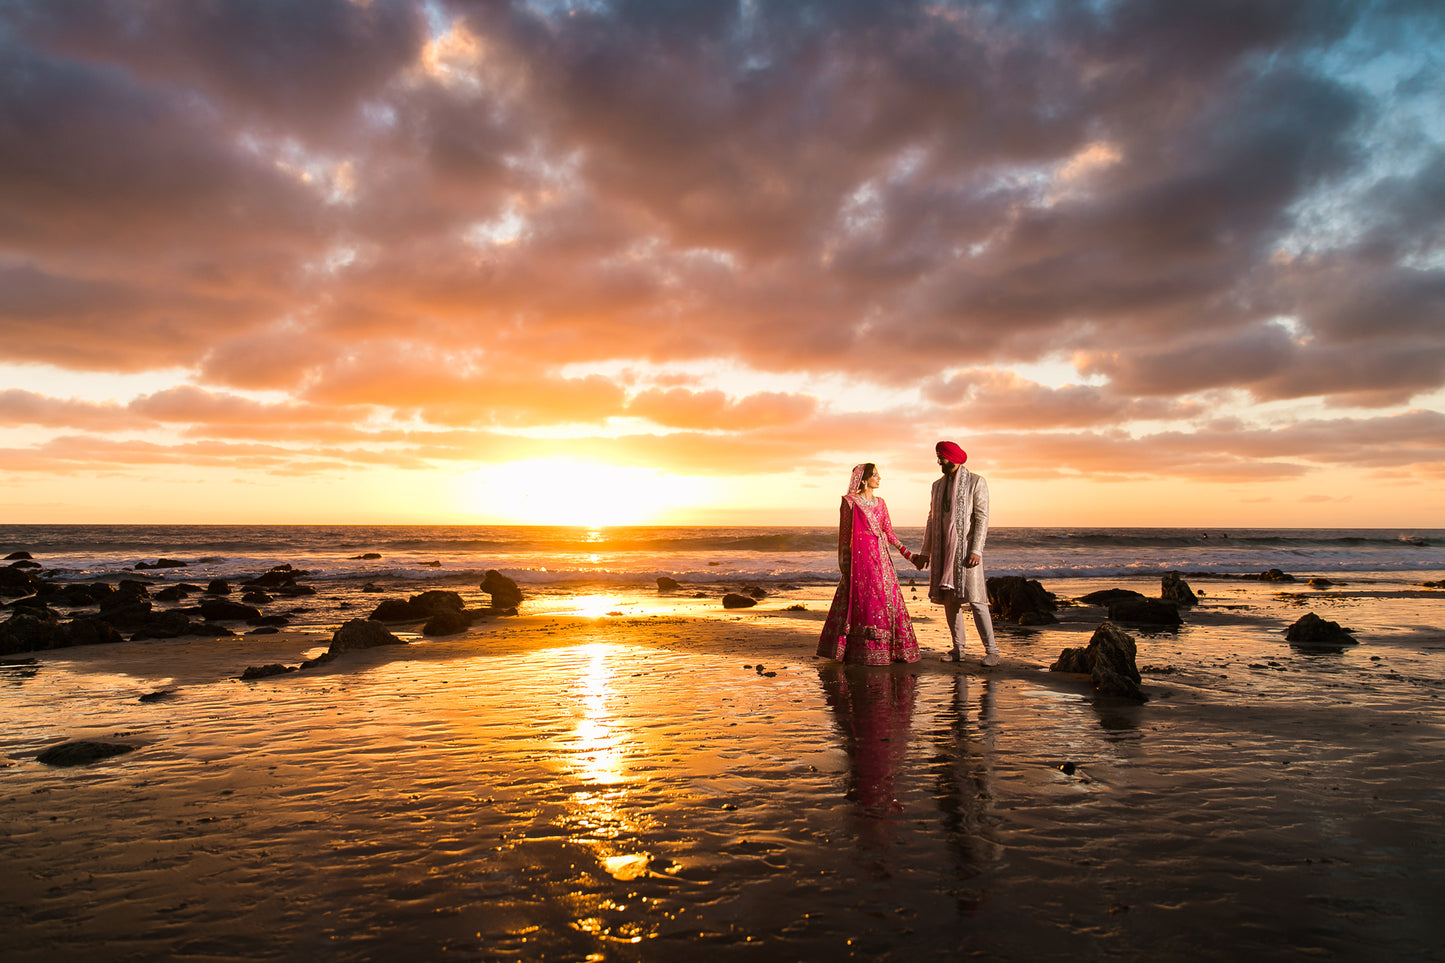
[(301, 68)]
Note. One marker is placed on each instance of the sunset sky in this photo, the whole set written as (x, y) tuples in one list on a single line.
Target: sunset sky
[(1151, 263)]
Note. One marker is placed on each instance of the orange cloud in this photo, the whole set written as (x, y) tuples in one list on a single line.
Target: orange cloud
[(714, 410)]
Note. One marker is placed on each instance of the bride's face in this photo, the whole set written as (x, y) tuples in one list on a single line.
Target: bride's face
[(873, 480)]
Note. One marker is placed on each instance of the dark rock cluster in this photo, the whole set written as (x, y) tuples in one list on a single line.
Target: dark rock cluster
[(361, 634), (504, 591), (1107, 597), (1144, 611), (1110, 660), (352, 636), (83, 751), (1173, 588), (1311, 630), (1126, 605), (160, 563), (444, 612), (126, 610), (1013, 598)]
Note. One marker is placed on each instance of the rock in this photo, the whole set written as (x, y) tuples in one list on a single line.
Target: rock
[(1313, 630), (361, 634), (81, 752), (504, 591), (14, 582), (132, 588), (1318, 582), (219, 610), (276, 576), (1109, 659), (431, 564), (156, 625), (23, 632), (436, 602), (218, 586), (172, 593), (160, 695), (37, 606), (17, 556), (395, 610), (1105, 596), (732, 600), (446, 622), (24, 564), (292, 591), (372, 587), (1144, 611), (755, 591), (256, 597), (91, 631), (72, 595), (1274, 575), (1173, 588), (1013, 598), (160, 563), (367, 557), (264, 671), (173, 625), (665, 584), (270, 620), (124, 612)]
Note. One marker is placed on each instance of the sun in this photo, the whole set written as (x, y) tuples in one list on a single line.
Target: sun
[(566, 491)]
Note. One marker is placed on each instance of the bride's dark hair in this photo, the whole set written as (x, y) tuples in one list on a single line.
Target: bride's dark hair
[(868, 469)]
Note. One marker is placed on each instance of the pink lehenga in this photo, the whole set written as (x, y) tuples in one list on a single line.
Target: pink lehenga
[(868, 623)]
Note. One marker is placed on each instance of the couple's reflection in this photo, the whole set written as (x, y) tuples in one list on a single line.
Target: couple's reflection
[(963, 787), (874, 709)]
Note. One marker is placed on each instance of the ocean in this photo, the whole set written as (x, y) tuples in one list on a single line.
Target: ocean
[(563, 558)]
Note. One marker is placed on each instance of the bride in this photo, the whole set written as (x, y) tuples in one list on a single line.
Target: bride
[(868, 623)]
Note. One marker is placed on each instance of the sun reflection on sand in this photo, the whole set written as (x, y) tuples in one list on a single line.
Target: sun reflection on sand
[(593, 606), (597, 741), (596, 751)]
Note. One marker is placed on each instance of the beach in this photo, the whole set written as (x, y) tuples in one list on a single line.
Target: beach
[(625, 774)]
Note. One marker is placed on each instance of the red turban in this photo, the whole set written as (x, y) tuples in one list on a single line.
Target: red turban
[(952, 452)]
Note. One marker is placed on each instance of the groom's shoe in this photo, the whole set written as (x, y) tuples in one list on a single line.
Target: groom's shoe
[(991, 659), (950, 657)]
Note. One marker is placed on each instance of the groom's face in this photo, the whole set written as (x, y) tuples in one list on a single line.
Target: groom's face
[(946, 466)]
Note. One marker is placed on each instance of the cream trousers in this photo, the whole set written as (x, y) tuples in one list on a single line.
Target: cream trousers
[(982, 623)]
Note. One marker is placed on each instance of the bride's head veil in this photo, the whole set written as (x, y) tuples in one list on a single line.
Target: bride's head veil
[(856, 479)]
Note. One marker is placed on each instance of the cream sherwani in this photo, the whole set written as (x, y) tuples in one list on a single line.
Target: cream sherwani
[(970, 522), (947, 542)]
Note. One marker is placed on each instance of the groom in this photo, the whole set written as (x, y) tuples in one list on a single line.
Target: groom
[(953, 542)]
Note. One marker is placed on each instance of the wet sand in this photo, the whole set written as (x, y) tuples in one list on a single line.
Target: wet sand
[(580, 785)]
